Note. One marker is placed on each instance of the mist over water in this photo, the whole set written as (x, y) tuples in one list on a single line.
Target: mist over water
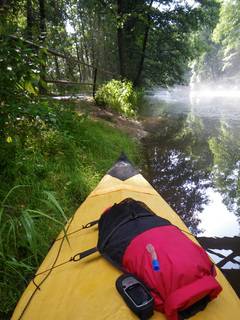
[(206, 100), (193, 154)]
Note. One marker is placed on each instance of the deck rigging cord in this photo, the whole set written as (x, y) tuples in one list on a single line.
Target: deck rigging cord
[(77, 257), (38, 286)]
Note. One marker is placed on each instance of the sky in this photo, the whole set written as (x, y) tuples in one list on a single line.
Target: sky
[(161, 7)]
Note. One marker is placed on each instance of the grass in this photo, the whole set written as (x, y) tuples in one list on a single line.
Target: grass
[(49, 164)]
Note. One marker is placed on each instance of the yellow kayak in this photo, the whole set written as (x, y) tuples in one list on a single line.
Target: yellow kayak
[(67, 288)]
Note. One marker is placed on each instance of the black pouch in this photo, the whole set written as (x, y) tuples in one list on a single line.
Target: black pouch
[(136, 295)]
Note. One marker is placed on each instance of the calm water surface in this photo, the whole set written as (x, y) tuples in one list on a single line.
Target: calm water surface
[(193, 156)]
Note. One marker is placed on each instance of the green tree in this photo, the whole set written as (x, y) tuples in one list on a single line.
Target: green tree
[(154, 38), (227, 35), (146, 42), (221, 51)]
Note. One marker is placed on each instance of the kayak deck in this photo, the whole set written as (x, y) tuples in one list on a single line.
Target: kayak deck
[(86, 289)]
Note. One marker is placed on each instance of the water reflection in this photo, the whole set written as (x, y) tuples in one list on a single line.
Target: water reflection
[(176, 170), (193, 154), (216, 219), (226, 151)]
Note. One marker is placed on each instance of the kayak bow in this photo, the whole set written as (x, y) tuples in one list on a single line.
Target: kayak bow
[(85, 289)]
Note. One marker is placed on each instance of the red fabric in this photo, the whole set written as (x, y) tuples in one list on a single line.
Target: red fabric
[(185, 274)]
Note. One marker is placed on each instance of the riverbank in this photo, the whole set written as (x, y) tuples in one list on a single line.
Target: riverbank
[(131, 126), (137, 128), (49, 164)]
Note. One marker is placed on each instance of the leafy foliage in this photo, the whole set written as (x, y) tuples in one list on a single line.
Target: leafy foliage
[(119, 96), (146, 42), (221, 57), (154, 38), (226, 33), (19, 75)]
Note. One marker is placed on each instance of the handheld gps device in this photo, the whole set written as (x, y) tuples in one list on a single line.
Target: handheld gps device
[(136, 295)]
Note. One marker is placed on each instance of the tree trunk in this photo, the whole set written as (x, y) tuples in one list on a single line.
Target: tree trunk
[(137, 80), (42, 20), (30, 20), (120, 39), (78, 53), (84, 43), (78, 57), (42, 36)]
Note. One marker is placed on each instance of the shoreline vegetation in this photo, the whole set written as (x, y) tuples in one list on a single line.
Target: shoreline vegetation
[(49, 164)]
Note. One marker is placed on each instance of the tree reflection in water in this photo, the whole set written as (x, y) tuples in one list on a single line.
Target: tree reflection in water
[(178, 165), (226, 170)]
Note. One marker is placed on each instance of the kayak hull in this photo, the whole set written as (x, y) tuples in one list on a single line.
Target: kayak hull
[(86, 289)]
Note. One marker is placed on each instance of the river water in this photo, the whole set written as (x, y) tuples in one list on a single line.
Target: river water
[(193, 157)]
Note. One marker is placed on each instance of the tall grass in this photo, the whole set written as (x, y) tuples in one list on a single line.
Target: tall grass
[(22, 245), (52, 162)]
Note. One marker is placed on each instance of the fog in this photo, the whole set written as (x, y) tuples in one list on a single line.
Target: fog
[(220, 101)]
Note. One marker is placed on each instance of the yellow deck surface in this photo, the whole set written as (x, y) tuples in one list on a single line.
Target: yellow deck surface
[(86, 289)]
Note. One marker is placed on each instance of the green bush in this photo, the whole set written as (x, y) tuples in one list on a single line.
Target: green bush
[(119, 96)]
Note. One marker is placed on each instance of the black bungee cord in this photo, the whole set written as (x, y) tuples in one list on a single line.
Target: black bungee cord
[(74, 259)]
